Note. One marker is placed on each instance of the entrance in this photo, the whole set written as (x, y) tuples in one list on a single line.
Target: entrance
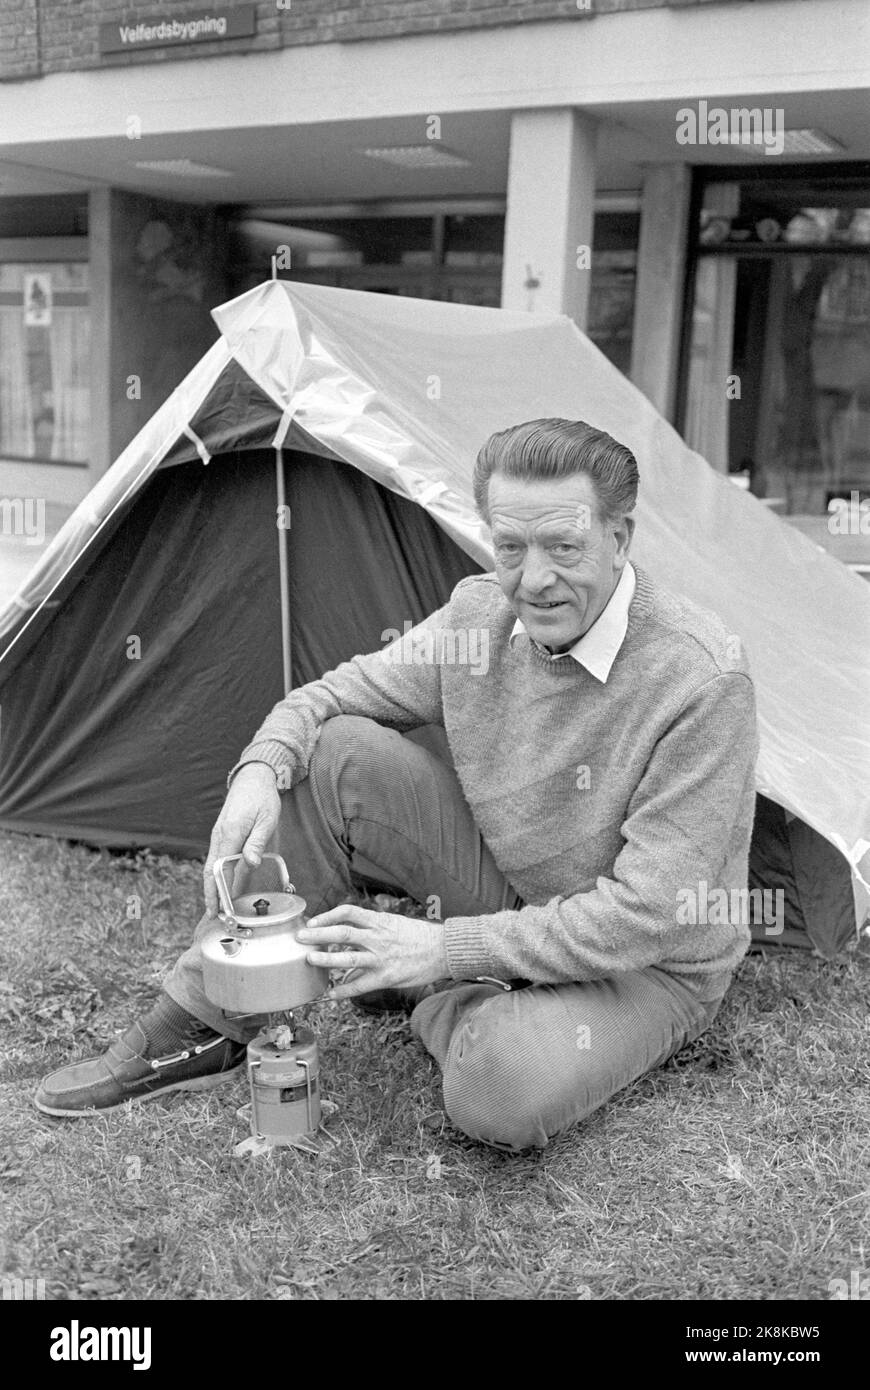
[(776, 376)]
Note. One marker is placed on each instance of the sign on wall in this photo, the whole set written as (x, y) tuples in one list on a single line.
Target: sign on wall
[(37, 300), (191, 26)]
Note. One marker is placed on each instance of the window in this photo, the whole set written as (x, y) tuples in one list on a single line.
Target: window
[(453, 254), (44, 361), (778, 366)]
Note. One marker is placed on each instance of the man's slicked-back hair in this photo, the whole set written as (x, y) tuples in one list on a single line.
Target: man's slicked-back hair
[(552, 449)]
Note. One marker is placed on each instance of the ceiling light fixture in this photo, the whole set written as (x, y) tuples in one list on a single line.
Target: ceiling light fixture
[(429, 156), (811, 142), (797, 142), (183, 168)]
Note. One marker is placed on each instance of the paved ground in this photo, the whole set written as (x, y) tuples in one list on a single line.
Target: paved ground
[(17, 556)]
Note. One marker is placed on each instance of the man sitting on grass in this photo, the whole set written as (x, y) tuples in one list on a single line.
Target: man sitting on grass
[(600, 772)]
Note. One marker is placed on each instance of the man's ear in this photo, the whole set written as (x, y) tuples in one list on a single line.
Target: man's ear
[(623, 531)]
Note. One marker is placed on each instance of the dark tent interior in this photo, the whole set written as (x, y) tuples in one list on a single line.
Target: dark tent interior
[(120, 749)]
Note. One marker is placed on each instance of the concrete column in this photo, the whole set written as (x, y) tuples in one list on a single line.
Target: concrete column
[(550, 207), (99, 293), (658, 303)]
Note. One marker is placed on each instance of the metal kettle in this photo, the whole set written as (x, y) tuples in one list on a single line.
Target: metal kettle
[(252, 962)]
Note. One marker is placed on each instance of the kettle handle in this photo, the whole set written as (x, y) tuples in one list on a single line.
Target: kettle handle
[(223, 892)]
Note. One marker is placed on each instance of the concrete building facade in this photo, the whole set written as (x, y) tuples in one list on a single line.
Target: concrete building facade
[(689, 181)]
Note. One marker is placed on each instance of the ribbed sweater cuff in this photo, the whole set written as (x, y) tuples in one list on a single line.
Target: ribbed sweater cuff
[(272, 753), (466, 948)]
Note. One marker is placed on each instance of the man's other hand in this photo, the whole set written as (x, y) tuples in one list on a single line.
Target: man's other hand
[(382, 949), (246, 824)]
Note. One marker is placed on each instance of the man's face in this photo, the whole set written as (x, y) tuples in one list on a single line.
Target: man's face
[(556, 560)]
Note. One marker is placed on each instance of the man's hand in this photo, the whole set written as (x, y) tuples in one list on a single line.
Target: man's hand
[(383, 949), (247, 822)]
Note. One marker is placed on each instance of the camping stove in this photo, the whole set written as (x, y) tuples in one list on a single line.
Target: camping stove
[(254, 964)]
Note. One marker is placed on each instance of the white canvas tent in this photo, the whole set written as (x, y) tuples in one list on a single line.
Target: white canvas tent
[(406, 391)]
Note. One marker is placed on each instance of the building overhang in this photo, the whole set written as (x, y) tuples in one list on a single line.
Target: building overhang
[(292, 124)]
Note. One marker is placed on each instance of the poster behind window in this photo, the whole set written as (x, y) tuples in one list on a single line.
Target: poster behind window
[(37, 300)]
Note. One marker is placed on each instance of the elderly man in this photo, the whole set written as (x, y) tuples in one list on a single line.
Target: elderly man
[(599, 781)]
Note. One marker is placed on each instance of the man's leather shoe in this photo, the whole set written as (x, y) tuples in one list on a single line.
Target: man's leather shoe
[(168, 1050)]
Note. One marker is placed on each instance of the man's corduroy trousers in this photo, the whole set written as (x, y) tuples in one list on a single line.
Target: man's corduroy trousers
[(519, 1066)]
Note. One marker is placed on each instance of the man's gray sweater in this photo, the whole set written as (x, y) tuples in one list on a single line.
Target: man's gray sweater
[(611, 808)]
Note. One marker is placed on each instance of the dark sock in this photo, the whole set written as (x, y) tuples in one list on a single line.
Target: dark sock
[(170, 1028)]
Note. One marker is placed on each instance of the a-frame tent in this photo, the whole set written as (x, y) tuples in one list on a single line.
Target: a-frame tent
[(307, 487)]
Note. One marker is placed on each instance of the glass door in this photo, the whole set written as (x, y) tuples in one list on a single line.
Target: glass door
[(777, 366)]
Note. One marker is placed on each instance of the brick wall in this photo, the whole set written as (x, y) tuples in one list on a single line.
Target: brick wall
[(43, 36), (19, 38)]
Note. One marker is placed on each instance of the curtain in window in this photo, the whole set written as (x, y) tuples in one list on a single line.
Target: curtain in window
[(16, 411), (68, 335), (710, 362)]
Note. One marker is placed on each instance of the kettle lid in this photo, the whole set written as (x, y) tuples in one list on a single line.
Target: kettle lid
[(267, 909)]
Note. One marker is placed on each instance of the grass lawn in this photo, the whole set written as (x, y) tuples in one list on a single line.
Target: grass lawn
[(738, 1171)]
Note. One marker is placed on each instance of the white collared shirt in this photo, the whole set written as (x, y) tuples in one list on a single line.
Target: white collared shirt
[(596, 650)]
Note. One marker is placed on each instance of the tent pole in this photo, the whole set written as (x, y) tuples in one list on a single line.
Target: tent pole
[(284, 573)]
